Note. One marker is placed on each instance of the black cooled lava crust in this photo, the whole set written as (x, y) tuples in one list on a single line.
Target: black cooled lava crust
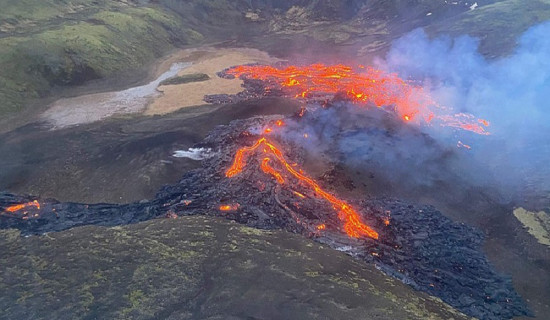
[(420, 246)]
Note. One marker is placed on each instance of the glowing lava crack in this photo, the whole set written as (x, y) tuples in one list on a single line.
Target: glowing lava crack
[(353, 225)]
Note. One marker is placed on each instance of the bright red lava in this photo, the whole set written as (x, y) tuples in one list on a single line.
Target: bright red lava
[(353, 225), (363, 85)]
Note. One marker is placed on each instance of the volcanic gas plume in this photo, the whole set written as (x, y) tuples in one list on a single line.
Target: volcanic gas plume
[(512, 91)]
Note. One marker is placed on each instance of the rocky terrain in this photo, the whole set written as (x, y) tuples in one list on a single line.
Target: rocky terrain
[(197, 267), (417, 245)]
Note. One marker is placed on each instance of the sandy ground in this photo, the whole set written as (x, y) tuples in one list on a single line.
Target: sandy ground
[(208, 61), (151, 99), (94, 107)]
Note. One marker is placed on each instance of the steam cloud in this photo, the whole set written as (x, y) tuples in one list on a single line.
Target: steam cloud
[(512, 92)]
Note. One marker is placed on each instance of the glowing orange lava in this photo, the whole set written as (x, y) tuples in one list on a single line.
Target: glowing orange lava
[(269, 170), (364, 86), (299, 194), (352, 222), (22, 206), (229, 207)]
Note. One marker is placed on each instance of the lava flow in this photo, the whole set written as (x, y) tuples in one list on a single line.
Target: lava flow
[(229, 207), (352, 221), (22, 210), (22, 206), (366, 85)]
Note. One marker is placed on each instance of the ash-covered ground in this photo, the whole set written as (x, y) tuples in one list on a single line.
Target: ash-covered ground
[(416, 244)]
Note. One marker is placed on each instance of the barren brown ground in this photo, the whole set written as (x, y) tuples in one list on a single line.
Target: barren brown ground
[(208, 61)]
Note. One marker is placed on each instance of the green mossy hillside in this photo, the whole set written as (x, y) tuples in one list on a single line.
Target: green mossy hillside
[(196, 268), (92, 44)]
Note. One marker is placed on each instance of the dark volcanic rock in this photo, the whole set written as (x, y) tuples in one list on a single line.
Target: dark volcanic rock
[(195, 268), (419, 245)]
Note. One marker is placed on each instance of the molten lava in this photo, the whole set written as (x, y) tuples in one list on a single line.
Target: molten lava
[(352, 221), (22, 206), (269, 170), (299, 194), (229, 207), (364, 86)]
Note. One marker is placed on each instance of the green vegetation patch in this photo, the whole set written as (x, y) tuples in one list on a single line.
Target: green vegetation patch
[(187, 78)]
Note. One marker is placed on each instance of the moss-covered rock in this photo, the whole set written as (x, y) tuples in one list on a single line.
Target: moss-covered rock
[(186, 78), (195, 268)]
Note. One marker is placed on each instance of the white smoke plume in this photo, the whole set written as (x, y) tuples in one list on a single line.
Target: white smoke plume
[(513, 93)]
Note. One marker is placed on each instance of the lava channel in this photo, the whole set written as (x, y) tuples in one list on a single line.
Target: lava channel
[(353, 226)]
